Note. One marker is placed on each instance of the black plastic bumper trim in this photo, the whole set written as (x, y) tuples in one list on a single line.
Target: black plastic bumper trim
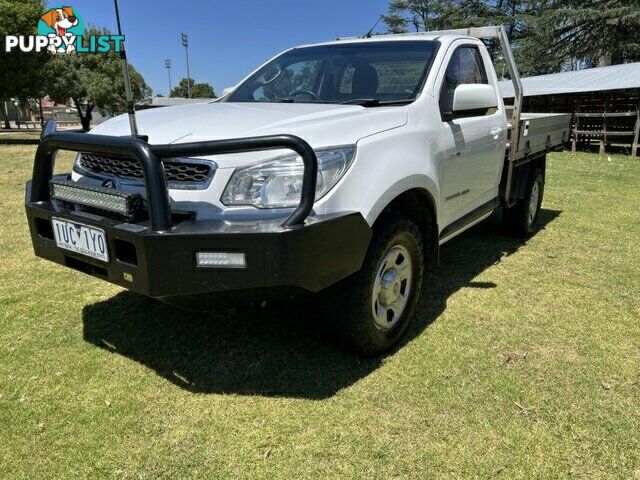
[(312, 257)]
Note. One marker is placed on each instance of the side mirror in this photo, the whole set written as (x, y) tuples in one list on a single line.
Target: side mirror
[(227, 91), (474, 97)]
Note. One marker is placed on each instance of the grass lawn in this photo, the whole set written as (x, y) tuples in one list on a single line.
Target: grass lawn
[(8, 135), (524, 362)]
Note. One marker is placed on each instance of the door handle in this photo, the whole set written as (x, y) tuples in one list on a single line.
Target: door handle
[(495, 132)]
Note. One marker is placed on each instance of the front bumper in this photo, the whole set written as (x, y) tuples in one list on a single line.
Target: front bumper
[(157, 257), (163, 264)]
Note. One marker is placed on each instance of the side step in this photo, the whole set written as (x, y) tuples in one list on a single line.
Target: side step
[(470, 218)]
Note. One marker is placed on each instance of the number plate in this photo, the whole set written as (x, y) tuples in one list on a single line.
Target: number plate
[(79, 238)]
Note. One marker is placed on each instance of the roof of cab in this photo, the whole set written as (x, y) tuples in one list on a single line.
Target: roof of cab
[(382, 38)]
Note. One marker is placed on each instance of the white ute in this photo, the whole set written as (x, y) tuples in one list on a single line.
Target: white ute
[(343, 164)]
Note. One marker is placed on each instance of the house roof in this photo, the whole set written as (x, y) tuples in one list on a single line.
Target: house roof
[(615, 77)]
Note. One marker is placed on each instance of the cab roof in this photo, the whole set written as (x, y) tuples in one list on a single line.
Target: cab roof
[(415, 36)]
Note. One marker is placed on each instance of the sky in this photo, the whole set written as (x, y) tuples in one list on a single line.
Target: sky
[(227, 39)]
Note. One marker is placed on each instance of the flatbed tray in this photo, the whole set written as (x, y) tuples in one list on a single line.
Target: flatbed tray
[(540, 132)]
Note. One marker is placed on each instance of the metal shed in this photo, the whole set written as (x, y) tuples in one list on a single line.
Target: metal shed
[(615, 77), (605, 102)]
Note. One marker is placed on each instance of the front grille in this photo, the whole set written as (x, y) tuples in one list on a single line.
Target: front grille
[(175, 170)]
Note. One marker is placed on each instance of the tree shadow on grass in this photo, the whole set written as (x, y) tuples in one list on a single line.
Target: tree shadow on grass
[(282, 350)]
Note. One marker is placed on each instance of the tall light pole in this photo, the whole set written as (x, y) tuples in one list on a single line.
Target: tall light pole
[(185, 44), (167, 64)]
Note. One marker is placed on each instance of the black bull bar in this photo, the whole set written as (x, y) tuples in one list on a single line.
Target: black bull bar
[(150, 158)]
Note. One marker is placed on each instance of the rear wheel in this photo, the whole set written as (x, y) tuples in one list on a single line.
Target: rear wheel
[(375, 305), (522, 219)]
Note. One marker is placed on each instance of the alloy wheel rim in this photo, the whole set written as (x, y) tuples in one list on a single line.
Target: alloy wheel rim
[(534, 199), (392, 287)]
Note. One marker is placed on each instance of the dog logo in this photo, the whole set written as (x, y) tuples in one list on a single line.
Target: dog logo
[(64, 23), (60, 19), (61, 31)]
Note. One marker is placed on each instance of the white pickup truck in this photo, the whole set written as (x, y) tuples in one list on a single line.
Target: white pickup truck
[(344, 164)]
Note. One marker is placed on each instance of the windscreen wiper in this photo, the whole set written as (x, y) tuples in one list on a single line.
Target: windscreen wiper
[(364, 102), (376, 102), (282, 100)]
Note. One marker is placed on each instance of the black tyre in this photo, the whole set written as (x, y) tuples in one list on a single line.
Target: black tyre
[(522, 219), (374, 307)]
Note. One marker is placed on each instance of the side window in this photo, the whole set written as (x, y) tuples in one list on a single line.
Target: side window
[(466, 66)]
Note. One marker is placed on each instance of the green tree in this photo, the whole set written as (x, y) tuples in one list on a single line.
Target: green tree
[(203, 90), (546, 35), (21, 74), (591, 33), (180, 90), (425, 15), (535, 53), (198, 90), (93, 80)]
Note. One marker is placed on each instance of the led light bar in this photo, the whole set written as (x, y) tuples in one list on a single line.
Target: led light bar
[(102, 198), (221, 260)]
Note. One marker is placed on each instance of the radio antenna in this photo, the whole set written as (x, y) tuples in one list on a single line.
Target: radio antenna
[(127, 80), (368, 34)]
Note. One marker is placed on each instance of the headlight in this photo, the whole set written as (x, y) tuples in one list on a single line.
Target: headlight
[(277, 183)]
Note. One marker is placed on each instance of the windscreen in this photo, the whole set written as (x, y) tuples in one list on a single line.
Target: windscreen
[(386, 71)]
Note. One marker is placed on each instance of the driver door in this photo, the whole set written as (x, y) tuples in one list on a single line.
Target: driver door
[(474, 143)]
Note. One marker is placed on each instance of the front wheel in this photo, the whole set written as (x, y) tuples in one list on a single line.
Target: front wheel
[(522, 219), (375, 305)]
